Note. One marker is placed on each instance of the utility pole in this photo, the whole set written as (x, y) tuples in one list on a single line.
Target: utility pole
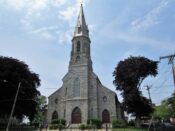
[(170, 58), (152, 119), (13, 107), (148, 89)]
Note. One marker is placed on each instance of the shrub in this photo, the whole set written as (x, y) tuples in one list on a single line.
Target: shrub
[(118, 123), (82, 127), (53, 127), (96, 122), (59, 121), (89, 126), (56, 126), (131, 123), (60, 126)]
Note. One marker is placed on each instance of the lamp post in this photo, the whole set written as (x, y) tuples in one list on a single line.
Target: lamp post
[(13, 107)]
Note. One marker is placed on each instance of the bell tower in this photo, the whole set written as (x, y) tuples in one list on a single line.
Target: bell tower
[(80, 54)]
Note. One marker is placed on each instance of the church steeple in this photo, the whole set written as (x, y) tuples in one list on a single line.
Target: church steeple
[(81, 28), (80, 54)]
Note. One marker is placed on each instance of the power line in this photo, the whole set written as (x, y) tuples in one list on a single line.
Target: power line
[(164, 80), (171, 61)]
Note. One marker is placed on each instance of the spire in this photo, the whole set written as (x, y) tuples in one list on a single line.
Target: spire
[(81, 28)]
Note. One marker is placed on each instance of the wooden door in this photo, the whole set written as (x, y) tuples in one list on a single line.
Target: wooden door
[(76, 116), (105, 116)]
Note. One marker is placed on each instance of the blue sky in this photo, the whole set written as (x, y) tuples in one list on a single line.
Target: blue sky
[(39, 32)]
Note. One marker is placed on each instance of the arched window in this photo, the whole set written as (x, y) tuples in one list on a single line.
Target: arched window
[(76, 88), (76, 115), (78, 59), (78, 46), (54, 115), (105, 116)]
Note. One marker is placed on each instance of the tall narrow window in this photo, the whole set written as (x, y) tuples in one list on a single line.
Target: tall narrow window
[(76, 88), (92, 114), (78, 46), (66, 92)]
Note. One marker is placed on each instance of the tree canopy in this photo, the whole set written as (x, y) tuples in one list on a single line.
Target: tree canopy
[(128, 76), (166, 109), (13, 71), (132, 71)]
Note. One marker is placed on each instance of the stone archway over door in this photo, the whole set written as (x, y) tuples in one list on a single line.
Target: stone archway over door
[(105, 116), (76, 115)]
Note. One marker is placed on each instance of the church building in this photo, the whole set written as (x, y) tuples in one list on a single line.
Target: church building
[(82, 96)]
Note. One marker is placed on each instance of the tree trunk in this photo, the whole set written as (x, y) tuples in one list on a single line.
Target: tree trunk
[(137, 122)]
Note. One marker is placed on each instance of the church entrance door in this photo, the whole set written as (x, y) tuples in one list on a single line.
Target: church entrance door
[(76, 115), (54, 115), (105, 116)]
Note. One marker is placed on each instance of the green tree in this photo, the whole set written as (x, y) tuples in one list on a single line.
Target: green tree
[(162, 112), (39, 116), (13, 71), (166, 109), (171, 104), (128, 76)]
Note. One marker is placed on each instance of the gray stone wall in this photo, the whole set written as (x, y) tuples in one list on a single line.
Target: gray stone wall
[(91, 101), (109, 103)]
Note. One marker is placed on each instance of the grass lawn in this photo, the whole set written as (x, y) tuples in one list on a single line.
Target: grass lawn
[(129, 129)]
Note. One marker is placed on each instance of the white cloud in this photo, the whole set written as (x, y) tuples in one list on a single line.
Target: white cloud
[(150, 19), (26, 4), (16, 4), (46, 35), (64, 36), (35, 13), (45, 32), (39, 5), (139, 40), (71, 12), (68, 14), (58, 3), (44, 29)]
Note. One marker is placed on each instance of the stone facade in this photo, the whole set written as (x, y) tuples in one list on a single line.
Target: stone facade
[(82, 96)]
